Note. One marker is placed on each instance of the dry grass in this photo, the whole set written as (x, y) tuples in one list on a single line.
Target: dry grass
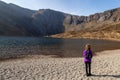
[(109, 32)]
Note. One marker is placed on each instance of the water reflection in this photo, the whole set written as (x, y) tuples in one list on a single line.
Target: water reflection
[(15, 46)]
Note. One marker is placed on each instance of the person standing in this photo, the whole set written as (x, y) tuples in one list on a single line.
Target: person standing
[(87, 54)]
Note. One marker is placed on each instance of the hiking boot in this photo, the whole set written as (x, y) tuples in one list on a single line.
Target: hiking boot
[(87, 74), (90, 74)]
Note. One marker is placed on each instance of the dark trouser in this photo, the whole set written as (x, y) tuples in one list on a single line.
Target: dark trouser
[(88, 68)]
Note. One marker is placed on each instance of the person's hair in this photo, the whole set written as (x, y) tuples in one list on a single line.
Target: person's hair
[(88, 47)]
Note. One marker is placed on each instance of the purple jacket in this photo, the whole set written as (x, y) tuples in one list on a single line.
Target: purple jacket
[(85, 59)]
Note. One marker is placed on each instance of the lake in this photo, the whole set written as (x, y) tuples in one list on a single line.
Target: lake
[(16, 46)]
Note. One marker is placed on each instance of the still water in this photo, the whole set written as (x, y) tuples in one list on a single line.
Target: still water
[(11, 46)]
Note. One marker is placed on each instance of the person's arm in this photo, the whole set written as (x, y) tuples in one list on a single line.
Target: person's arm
[(84, 54)]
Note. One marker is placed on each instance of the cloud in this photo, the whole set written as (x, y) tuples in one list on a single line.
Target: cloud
[(10, 1)]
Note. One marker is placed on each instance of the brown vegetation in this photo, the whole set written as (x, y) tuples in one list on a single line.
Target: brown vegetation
[(110, 32)]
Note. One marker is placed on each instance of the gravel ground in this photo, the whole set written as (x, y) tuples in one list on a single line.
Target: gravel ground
[(105, 66)]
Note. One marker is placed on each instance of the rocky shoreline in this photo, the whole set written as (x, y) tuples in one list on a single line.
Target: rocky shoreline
[(104, 67)]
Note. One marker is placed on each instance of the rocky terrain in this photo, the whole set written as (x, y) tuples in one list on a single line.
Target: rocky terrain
[(18, 21), (104, 67), (108, 32), (106, 35)]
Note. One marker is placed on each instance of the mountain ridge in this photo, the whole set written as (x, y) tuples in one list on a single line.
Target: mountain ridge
[(18, 21)]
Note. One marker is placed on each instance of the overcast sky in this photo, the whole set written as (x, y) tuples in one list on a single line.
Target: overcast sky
[(76, 7)]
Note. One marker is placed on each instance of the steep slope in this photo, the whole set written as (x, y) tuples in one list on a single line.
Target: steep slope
[(18, 21), (12, 19), (109, 31), (48, 21), (94, 21)]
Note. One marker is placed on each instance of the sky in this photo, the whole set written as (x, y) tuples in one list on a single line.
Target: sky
[(76, 7)]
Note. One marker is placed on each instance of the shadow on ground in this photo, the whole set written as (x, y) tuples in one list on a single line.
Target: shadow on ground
[(115, 76)]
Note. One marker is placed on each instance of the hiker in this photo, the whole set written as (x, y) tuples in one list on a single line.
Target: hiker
[(87, 54)]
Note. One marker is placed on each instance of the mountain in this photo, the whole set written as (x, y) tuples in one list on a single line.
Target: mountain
[(104, 25), (18, 21), (14, 20)]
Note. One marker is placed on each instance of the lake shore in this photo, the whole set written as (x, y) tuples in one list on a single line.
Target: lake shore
[(105, 66), (100, 35)]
